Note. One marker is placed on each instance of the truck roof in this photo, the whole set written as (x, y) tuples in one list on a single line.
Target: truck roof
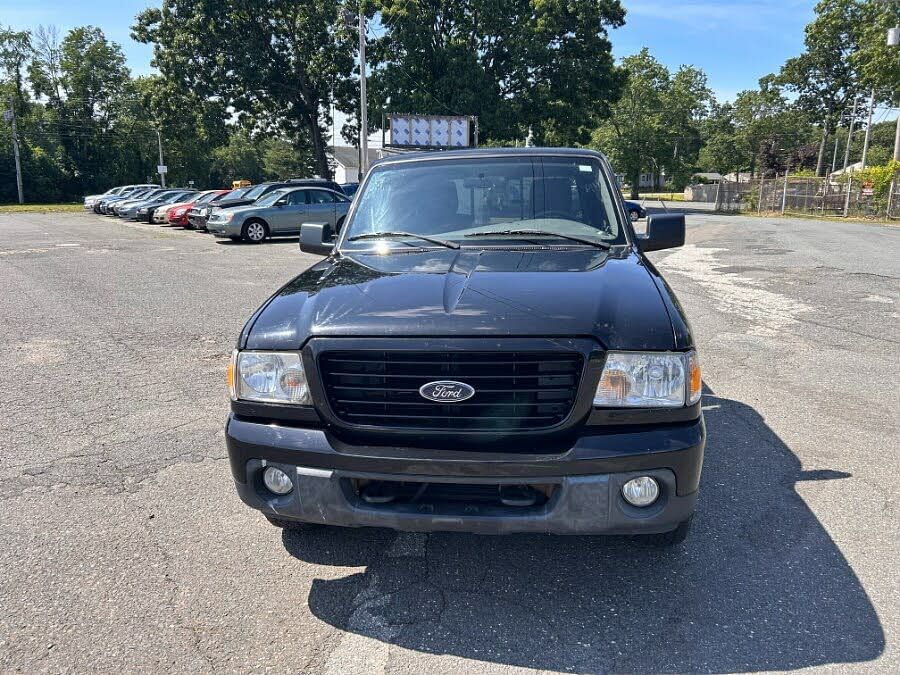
[(486, 152)]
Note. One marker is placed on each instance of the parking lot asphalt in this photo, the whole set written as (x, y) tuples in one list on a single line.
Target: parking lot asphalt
[(123, 546)]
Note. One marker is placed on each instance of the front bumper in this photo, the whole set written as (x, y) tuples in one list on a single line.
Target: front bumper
[(223, 229), (586, 480)]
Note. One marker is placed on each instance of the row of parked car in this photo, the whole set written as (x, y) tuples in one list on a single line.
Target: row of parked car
[(252, 213)]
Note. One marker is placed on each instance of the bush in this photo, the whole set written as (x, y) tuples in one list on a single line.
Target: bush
[(879, 176)]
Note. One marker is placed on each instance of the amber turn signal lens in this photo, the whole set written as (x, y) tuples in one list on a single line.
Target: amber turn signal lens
[(695, 379), (229, 375)]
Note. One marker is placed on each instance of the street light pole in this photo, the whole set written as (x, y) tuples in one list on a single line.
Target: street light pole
[(363, 105), (850, 133), (837, 142), (893, 40), (868, 128), (162, 173), (15, 144)]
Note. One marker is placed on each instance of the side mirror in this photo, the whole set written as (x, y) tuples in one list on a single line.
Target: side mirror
[(664, 230), (316, 238), (281, 202)]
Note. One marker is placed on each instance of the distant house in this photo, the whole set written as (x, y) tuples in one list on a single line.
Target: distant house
[(738, 177), (856, 166), (345, 162), (645, 180), (708, 176)]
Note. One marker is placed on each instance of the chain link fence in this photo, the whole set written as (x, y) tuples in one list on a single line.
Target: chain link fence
[(841, 196)]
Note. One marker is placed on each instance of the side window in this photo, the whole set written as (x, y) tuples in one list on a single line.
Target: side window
[(296, 198), (320, 197)]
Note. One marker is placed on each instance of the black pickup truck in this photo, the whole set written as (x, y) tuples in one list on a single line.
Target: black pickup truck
[(485, 348)]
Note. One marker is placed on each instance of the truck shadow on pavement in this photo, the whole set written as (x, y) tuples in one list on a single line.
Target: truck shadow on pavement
[(759, 584)]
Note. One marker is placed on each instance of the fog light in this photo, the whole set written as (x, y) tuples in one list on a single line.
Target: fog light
[(277, 481), (641, 491)]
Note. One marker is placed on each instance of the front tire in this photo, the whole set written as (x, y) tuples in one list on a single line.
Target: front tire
[(254, 231)]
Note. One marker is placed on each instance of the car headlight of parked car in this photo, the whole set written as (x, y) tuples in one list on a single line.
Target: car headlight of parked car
[(649, 380), (268, 377)]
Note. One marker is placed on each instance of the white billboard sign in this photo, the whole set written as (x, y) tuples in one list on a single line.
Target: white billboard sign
[(430, 131)]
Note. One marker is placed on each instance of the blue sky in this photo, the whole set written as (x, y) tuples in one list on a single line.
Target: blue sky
[(734, 41)]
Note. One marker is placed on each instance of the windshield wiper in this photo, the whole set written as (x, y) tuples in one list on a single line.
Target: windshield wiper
[(383, 235), (541, 233)]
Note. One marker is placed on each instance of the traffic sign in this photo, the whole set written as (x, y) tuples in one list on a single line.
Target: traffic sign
[(162, 168)]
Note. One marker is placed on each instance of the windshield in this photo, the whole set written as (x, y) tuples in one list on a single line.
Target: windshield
[(270, 198), (234, 194), (209, 196), (464, 200), (255, 191), (171, 198)]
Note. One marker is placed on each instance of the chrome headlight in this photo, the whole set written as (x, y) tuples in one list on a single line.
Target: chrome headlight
[(268, 377), (649, 380)]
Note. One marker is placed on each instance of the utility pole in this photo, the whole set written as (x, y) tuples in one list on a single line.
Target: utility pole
[(836, 143), (850, 133), (893, 40), (15, 144), (363, 109), (897, 141), (868, 128), (162, 164)]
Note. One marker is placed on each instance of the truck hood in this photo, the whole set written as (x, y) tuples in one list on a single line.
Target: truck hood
[(609, 295), (232, 203)]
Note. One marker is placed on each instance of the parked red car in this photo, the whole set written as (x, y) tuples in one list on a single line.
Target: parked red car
[(179, 215)]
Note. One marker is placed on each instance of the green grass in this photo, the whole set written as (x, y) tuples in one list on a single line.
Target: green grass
[(39, 208), (854, 218), (666, 196)]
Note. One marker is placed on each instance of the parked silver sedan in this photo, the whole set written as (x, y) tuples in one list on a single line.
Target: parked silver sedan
[(279, 213)]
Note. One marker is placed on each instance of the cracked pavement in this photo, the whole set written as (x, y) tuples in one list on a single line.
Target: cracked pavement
[(123, 546)]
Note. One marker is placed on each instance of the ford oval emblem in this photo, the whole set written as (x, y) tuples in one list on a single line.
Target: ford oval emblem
[(446, 391)]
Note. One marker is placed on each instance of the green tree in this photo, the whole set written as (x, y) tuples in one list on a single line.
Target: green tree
[(239, 159), (282, 159), (191, 126), (686, 103), (655, 114), (15, 51), (277, 63), (722, 150), (89, 92), (517, 64), (631, 135), (825, 76)]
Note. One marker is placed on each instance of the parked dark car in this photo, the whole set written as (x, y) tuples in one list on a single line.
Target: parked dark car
[(635, 211), (485, 348)]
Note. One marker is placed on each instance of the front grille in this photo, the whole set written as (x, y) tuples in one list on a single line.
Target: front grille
[(513, 390)]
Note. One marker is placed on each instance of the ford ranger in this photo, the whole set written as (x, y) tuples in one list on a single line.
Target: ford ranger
[(485, 348)]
